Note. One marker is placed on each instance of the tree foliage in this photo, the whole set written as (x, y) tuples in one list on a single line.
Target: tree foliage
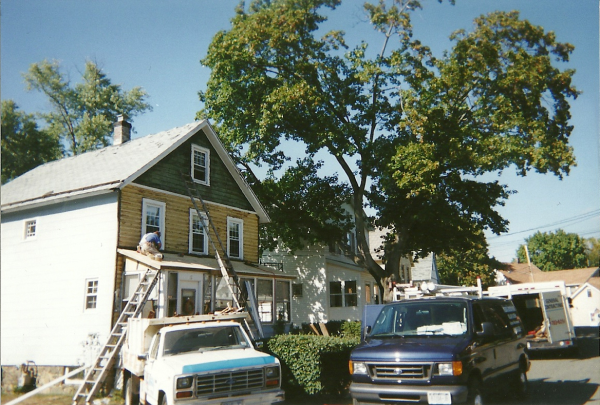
[(24, 145), (555, 251), (410, 133), (593, 252), (464, 268), (83, 114)]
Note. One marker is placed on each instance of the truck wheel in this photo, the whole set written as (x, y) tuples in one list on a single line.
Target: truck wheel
[(130, 397), (521, 385), (474, 396), (162, 400)]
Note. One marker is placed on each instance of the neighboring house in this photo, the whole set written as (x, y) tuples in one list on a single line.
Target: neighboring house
[(329, 285), (585, 303), (425, 270), (70, 230), (376, 239), (517, 273)]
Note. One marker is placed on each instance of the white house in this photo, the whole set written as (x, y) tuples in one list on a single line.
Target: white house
[(70, 230), (329, 285), (585, 303)]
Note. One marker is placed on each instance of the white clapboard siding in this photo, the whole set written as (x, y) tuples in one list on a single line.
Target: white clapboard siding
[(44, 280)]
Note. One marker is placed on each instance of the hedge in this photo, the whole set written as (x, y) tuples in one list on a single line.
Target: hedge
[(313, 365)]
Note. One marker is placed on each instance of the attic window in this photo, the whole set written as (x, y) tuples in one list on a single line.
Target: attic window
[(201, 164), (30, 228)]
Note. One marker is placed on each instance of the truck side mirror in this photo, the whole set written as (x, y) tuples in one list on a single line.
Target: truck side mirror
[(487, 330), (143, 356)]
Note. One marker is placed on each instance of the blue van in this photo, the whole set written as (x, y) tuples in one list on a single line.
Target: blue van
[(440, 350)]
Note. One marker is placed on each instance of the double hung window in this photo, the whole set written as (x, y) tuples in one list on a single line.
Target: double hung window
[(201, 164), (235, 240), (343, 294), (198, 240), (153, 217), (91, 293)]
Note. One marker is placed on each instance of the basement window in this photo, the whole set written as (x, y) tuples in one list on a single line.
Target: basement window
[(91, 294)]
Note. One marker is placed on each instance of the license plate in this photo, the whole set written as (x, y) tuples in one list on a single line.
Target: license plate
[(441, 398), (238, 402)]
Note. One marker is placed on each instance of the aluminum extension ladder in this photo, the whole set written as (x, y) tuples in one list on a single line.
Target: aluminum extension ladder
[(96, 375), (227, 270)]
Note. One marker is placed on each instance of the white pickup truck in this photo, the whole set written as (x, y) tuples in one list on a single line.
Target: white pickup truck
[(202, 359)]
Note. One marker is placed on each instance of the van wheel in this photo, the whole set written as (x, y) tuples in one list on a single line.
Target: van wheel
[(521, 385), (474, 396)]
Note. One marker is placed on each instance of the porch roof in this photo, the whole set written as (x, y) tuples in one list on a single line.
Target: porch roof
[(174, 261)]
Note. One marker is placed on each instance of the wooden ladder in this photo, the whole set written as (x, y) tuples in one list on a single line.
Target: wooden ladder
[(227, 270), (96, 375)]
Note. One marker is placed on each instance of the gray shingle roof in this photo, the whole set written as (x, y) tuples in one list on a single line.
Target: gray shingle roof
[(110, 168)]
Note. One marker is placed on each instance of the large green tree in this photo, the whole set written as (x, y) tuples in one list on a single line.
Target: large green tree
[(83, 114), (555, 251), (593, 252), (24, 145), (410, 134)]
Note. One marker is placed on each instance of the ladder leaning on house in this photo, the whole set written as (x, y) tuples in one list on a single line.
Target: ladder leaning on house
[(225, 264), (96, 375)]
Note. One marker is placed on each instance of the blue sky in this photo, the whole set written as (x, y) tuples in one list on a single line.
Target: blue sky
[(158, 45)]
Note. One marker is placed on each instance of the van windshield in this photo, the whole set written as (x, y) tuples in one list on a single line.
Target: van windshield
[(423, 318), (204, 339)]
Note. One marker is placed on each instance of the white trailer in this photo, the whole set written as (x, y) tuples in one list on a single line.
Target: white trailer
[(544, 310)]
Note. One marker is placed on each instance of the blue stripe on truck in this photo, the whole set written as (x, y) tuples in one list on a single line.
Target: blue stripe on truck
[(225, 364)]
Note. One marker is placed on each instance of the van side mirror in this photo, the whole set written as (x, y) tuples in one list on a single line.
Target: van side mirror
[(143, 356), (487, 330)]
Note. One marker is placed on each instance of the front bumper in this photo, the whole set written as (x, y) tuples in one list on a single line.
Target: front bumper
[(409, 393), (269, 397)]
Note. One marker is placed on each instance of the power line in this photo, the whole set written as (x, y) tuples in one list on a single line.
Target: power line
[(570, 221)]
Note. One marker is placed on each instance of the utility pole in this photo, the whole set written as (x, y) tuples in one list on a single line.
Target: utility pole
[(529, 263)]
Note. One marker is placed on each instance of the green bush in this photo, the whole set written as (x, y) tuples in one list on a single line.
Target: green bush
[(313, 365), (350, 329)]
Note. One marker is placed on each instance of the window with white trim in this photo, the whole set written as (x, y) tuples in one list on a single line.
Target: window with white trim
[(273, 303), (343, 294), (235, 238), (153, 218), (201, 164), (91, 293), (30, 229), (198, 241)]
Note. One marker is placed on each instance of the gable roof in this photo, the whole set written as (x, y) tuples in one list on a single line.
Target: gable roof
[(111, 168), (519, 273), (425, 269), (593, 282)]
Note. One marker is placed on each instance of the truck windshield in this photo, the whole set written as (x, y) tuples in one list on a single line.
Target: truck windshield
[(421, 318), (204, 339)]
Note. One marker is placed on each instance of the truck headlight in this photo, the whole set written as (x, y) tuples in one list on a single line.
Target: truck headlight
[(272, 376), (454, 368), (272, 372), (357, 367), (184, 382)]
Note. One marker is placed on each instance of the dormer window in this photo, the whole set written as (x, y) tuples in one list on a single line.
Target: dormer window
[(201, 164)]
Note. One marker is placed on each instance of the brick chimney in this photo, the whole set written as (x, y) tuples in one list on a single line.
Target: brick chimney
[(122, 131)]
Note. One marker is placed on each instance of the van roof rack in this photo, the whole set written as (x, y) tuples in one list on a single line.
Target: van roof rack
[(430, 289)]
